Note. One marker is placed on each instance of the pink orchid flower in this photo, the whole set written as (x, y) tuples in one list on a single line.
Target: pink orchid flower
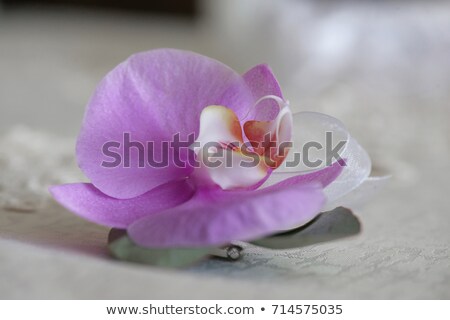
[(155, 95)]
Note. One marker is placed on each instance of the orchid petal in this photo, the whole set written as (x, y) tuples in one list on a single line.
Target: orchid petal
[(153, 96), (216, 217), (90, 203), (262, 82)]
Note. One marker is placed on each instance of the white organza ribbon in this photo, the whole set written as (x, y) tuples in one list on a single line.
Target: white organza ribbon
[(353, 185)]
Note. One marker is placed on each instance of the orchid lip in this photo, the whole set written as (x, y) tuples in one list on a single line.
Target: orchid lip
[(221, 130)]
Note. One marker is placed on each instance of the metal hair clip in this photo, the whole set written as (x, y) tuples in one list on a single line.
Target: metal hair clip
[(231, 252)]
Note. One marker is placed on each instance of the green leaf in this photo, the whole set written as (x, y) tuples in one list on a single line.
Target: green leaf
[(327, 226), (122, 248)]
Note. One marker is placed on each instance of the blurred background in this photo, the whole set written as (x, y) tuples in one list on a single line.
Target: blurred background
[(382, 67)]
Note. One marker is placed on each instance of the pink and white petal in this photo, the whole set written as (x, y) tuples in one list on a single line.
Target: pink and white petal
[(91, 204), (152, 96), (216, 217), (262, 82)]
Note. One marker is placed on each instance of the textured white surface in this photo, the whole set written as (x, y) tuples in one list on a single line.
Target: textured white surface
[(389, 82)]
